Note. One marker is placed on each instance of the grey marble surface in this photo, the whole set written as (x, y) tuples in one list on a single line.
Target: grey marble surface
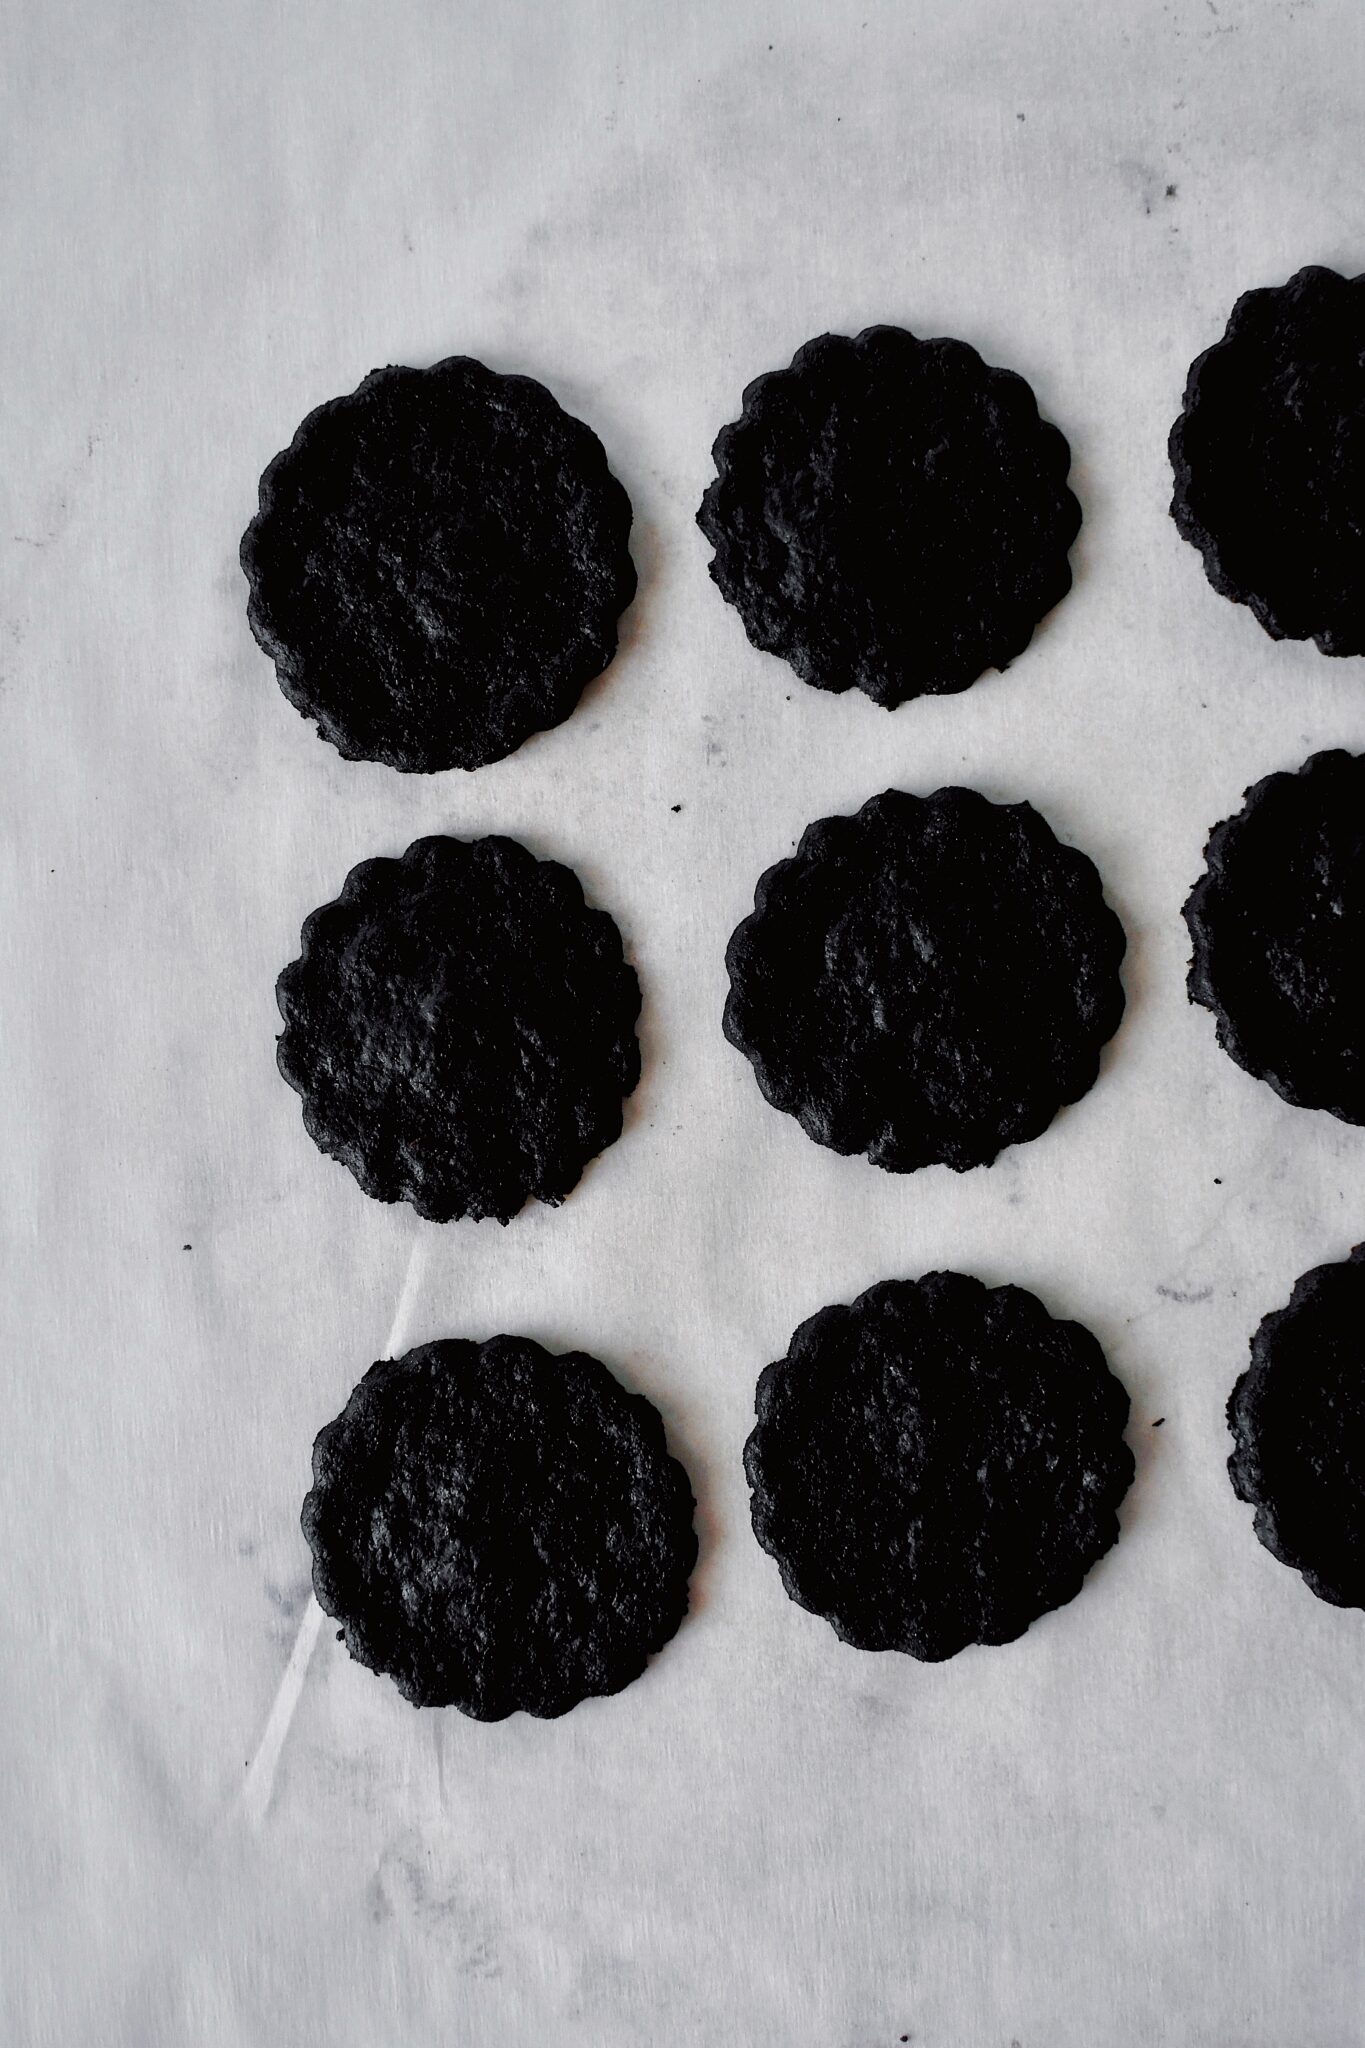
[(1142, 1823)]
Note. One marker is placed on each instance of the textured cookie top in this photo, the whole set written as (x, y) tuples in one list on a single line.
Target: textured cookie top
[(927, 981), (1269, 459), (438, 565), (937, 1465), (498, 1529), (1278, 926), (1297, 1417), (461, 1028), (890, 515)]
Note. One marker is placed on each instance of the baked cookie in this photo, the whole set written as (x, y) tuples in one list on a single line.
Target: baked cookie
[(1277, 921), (1297, 1417), (890, 515), (928, 981), (937, 1465), (1269, 459), (497, 1529), (438, 565), (461, 1028)]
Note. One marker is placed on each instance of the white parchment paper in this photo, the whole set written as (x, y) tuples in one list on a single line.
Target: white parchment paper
[(1141, 1823)]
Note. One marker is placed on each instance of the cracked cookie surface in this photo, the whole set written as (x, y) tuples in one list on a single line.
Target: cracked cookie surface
[(1277, 923), (461, 1028), (1297, 1417), (938, 1464), (1268, 456), (438, 565), (928, 981), (890, 514), (499, 1530)]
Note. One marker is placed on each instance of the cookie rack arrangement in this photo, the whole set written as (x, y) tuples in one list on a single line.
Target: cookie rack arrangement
[(437, 568)]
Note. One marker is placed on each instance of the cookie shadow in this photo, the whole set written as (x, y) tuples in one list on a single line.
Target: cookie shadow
[(647, 553), (638, 1107), (1135, 974)]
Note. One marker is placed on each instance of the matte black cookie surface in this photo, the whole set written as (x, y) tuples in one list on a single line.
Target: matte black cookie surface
[(937, 1465), (1269, 460), (498, 1529), (927, 981), (461, 1028), (1278, 925), (1297, 1417), (890, 515), (438, 565)]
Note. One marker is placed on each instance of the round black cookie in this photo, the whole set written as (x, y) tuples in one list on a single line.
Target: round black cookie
[(928, 981), (1277, 920), (461, 1028), (890, 515), (438, 565), (937, 1465), (499, 1529), (1297, 1417), (1269, 459)]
